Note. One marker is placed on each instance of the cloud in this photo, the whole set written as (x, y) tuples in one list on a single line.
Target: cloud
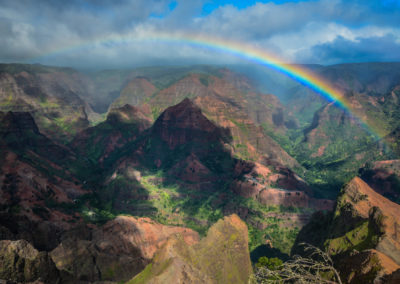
[(75, 32), (379, 48)]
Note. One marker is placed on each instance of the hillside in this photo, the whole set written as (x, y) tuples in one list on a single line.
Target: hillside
[(361, 231)]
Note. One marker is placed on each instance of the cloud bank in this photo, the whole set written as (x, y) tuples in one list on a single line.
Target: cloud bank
[(77, 33)]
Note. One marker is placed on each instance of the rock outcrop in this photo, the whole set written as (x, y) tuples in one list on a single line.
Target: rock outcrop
[(275, 188), (362, 234), (221, 257), (116, 251), (21, 262)]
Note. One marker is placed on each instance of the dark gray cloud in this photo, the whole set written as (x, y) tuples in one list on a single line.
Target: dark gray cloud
[(385, 48), (89, 32)]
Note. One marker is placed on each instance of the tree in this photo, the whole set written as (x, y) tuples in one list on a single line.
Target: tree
[(317, 267), (271, 263)]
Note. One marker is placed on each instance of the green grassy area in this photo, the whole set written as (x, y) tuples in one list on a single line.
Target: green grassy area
[(334, 153)]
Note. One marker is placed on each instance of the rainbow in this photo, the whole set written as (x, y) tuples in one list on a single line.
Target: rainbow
[(242, 50)]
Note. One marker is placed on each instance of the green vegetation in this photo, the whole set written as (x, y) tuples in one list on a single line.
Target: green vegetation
[(144, 276), (173, 204), (281, 238), (332, 149), (45, 103), (360, 238), (272, 263)]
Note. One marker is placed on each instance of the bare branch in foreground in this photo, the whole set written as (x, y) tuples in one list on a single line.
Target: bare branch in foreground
[(316, 268)]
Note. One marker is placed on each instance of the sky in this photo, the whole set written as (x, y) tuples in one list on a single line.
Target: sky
[(119, 33)]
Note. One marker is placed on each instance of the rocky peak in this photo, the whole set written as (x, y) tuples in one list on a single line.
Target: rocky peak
[(127, 114), (135, 92), (185, 115), (185, 123), (363, 198)]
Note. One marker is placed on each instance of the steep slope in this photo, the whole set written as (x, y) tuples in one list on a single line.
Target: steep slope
[(122, 125), (249, 140), (38, 180), (19, 131), (137, 91), (184, 123), (362, 231), (105, 86), (221, 257)]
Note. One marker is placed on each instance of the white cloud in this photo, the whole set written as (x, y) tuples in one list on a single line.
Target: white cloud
[(294, 30)]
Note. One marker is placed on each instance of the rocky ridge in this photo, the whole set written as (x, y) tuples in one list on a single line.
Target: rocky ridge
[(361, 231)]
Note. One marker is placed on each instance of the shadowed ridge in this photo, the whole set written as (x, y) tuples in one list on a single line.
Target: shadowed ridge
[(18, 122), (19, 132), (184, 123)]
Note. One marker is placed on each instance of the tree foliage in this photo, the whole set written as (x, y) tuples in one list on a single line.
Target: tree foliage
[(271, 263)]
